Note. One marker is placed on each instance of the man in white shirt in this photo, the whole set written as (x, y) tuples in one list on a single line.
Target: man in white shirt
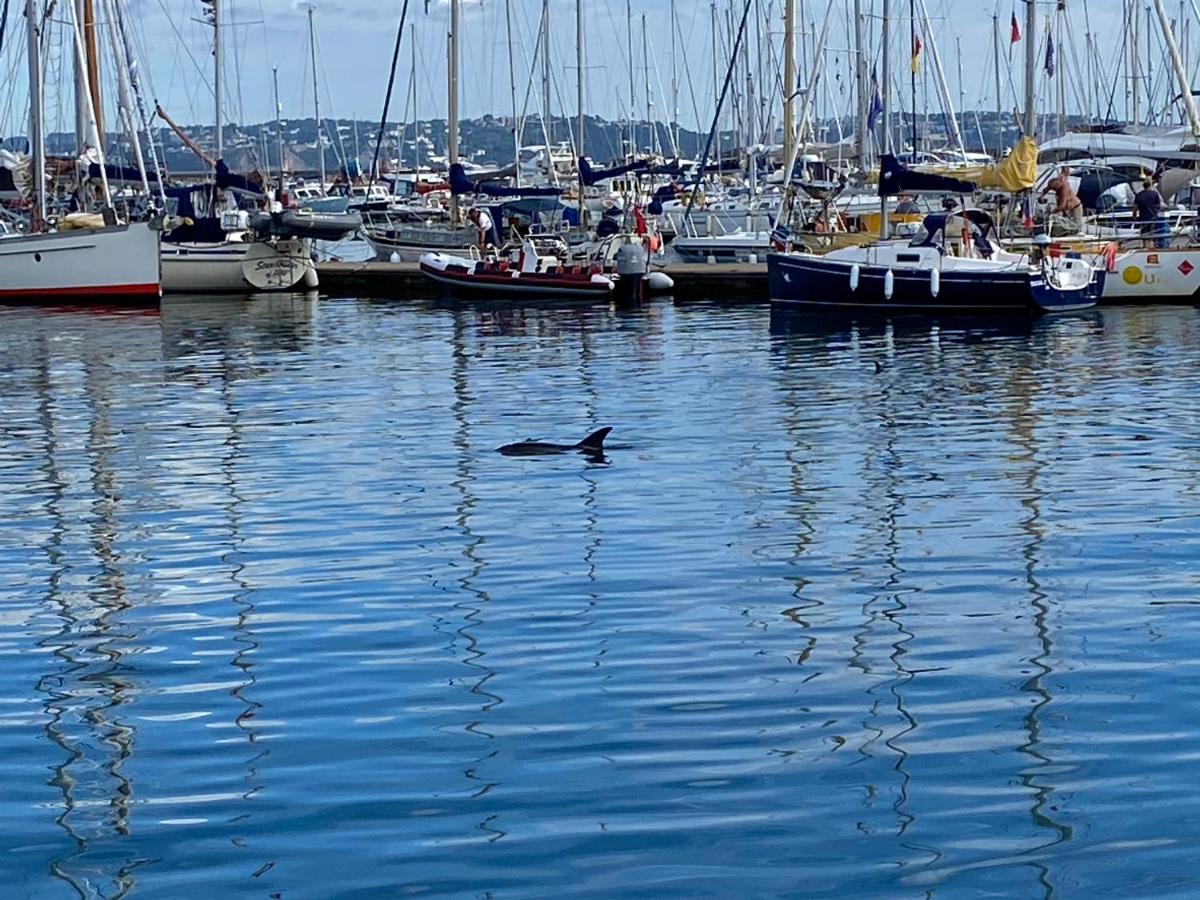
[(482, 221)]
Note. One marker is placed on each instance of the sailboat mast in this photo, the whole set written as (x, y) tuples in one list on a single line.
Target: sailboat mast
[(860, 88), (1189, 104), (93, 66), (884, 97), (81, 59), (452, 124), (579, 84), (1133, 66), (312, 49), (650, 124), (912, 71), (999, 95), (512, 87), (278, 124), (216, 24), (37, 137), (674, 87), (632, 137), (81, 133), (962, 92), (716, 74), (416, 122), (1030, 68), (546, 127), (789, 81)]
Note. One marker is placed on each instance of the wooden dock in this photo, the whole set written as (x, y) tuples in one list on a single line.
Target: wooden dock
[(719, 281)]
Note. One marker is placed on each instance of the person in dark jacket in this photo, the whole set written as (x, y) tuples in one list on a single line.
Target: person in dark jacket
[(1147, 206)]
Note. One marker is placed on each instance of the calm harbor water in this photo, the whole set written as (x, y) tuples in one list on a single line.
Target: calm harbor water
[(884, 611)]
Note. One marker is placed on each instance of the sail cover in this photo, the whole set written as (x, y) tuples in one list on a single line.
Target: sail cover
[(127, 174), (461, 184), (895, 178), (590, 176), (227, 180)]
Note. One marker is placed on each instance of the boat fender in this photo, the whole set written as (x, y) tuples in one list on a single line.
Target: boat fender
[(889, 284), (935, 282), (854, 277), (659, 281), (602, 279)]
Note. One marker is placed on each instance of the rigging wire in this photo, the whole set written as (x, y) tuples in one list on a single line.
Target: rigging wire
[(387, 97)]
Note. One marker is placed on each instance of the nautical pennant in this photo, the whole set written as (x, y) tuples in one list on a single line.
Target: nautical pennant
[(915, 63), (1015, 34), (1049, 66)]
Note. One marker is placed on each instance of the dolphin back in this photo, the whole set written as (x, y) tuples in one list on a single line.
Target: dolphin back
[(594, 442)]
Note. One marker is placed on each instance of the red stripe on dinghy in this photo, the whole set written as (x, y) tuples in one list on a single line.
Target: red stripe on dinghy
[(566, 282)]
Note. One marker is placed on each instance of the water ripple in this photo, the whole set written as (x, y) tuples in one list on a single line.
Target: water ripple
[(851, 609)]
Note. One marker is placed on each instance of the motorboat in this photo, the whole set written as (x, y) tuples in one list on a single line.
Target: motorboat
[(952, 264), (538, 266)]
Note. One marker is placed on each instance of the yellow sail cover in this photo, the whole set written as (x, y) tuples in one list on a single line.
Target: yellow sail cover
[(1016, 172)]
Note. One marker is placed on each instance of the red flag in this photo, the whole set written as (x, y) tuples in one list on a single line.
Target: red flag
[(639, 221), (1016, 30)]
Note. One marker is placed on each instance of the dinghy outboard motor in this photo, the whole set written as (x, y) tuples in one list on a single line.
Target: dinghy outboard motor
[(631, 270)]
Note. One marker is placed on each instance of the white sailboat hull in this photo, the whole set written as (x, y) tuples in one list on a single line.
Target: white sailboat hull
[(1142, 276), (120, 262), (235, 266)]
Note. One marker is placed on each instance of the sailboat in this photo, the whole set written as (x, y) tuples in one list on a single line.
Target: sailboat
[(221, 248), (110, 263), (953, 263)]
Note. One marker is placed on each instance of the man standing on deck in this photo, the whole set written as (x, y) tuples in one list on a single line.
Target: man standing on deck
[(482, 221), (1147, 205), (1066, 201)]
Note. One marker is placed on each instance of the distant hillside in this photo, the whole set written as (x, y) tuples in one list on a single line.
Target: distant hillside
[(489, 140)]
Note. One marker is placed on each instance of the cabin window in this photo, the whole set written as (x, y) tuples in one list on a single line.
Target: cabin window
[(908, 257)]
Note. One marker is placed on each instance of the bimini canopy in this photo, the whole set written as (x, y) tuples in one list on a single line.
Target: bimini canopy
[(895, 178)]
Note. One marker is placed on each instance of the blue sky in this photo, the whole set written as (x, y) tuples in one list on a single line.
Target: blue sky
[(355, 41)]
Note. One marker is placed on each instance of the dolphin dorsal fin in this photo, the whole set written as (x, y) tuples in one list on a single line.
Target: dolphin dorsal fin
[(594, 441)]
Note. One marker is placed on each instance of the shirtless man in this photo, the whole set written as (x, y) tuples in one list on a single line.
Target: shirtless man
[(1066, 202)]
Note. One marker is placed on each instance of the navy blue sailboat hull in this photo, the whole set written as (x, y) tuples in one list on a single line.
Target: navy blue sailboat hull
[(812, 281)]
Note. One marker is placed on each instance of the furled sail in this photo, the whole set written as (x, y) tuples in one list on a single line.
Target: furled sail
[(590, 176), (461, 184), (895, 178)]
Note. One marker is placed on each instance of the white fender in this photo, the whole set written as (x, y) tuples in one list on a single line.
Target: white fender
[(854, 277), (659, 281), (889, 284), (935, 282)]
